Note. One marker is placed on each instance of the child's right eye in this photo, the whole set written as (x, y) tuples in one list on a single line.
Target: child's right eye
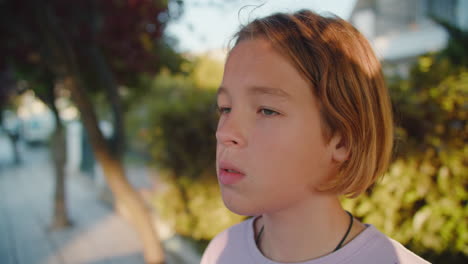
[(224, 110)]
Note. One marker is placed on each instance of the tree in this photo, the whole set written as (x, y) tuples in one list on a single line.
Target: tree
[(41, 81), (90, 47)]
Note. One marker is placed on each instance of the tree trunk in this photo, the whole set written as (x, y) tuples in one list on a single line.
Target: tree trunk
[(58, 149), (131, 205), (17, 157), (126, 197), (59, 157), (14, 138), (60, 219), (109, 84)]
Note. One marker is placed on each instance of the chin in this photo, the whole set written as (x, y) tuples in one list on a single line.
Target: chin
[(239, 205)]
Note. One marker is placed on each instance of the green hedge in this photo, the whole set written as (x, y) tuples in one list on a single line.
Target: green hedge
[(421, 202)]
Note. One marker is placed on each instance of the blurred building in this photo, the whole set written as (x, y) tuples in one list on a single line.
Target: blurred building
[(400, 30)]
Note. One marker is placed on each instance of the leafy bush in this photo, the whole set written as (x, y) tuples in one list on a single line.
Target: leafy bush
[(422, 200)]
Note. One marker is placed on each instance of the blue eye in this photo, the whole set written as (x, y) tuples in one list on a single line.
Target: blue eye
[(224, 110), (268, 112)]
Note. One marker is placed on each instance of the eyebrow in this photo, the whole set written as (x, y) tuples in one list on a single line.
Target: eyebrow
[(259, 90)]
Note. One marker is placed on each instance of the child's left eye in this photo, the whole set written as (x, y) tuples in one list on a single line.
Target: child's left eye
[(268, 112)]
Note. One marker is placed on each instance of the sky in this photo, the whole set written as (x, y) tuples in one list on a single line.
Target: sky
[(208, 25)]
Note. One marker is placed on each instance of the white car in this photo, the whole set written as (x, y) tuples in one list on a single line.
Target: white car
[(38, 128)]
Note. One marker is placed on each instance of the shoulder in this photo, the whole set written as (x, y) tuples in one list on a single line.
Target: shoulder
[(404, 254), (385, 248), (217, 249)]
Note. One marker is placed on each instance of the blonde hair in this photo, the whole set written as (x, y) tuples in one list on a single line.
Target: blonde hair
[(347, 80)]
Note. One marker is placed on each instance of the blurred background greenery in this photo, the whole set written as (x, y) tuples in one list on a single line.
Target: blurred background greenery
[(168, 109)]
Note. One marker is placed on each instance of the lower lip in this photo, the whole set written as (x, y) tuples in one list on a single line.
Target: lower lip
[(228, 178)]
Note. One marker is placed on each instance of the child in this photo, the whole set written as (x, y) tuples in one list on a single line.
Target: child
[(304, 117)]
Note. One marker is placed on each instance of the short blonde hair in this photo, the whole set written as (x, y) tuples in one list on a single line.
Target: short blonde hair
[(347, 80)]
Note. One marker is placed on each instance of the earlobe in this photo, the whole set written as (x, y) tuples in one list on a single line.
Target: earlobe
[(340, 151)]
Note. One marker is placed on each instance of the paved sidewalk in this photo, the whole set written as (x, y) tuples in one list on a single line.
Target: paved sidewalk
[(98, 235)]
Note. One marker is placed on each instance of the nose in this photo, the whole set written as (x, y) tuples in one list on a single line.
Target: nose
[(229, 132)]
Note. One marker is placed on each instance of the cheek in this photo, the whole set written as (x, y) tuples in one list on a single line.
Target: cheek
[(292, 151), (219, 149)]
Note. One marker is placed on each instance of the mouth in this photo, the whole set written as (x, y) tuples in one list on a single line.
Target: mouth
[(228, 174), (231, 171)]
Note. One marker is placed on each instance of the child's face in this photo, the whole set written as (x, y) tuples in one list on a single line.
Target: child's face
[(270, 131)]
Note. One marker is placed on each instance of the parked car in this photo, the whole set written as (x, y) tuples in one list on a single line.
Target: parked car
[(37, 129)]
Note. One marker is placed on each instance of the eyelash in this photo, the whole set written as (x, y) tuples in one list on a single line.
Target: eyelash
[(273, 112), (222, 110)]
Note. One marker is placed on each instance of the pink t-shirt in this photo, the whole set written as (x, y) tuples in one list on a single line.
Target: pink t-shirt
[(236, 245)]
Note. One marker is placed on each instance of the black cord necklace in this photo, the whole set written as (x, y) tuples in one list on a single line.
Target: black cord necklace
[(339, 244)]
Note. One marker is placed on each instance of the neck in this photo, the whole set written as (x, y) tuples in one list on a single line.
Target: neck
[(309, 230)]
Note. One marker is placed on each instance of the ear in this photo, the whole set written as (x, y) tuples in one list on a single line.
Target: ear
[(339, 148)]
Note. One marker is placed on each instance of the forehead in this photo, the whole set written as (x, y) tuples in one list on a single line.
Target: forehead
[(256, 63)]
